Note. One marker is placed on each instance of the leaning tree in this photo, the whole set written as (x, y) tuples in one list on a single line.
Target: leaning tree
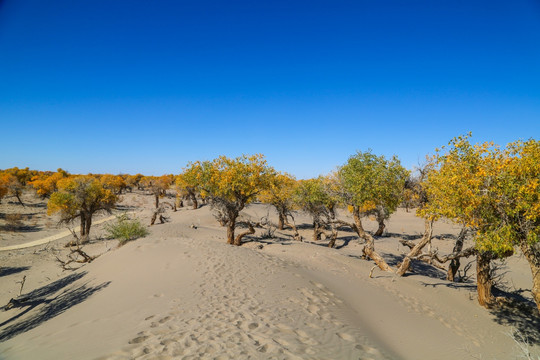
[(371, 184)]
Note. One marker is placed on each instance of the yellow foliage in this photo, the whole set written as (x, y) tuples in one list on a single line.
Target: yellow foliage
[(495, 191)]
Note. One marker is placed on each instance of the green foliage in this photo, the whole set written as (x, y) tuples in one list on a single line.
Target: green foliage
[(314, 197), (369, 182), (125, 229)]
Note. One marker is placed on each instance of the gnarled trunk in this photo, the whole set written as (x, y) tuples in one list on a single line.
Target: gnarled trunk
[(454, 263), (83, 225), (156, 200), (18, 195), (231, 224), (380, 230), (428, 232), (296, 235), (317, 230), (281, 220), (532, 253), (238, 239), (369, 247), (86, 222), (334, 236), (194, 201), (484, 282)]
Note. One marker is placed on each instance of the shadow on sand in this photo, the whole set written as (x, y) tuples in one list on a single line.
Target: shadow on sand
[(47, 303), (519, 313), (5, 271)]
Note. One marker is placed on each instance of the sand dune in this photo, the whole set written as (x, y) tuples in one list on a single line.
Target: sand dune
[(182, 293)]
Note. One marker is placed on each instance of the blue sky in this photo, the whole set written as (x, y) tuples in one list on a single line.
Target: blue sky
[(138, 86)]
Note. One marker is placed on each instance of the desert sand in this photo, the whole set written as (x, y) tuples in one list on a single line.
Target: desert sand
[(182, 293)]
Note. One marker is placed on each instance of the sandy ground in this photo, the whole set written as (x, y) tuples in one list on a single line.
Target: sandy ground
[(182, 293)]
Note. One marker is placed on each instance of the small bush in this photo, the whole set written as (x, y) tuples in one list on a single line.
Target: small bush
[(125, 229), (14, 221)]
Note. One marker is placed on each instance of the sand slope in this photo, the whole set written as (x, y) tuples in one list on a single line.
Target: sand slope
[(182, 293)]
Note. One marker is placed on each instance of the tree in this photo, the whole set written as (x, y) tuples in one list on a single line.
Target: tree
[(231, 184), (515, 190), (16, 180), (115, 183), (133, 181), (280, 194), (45, 183), (495, 193), (80, 197), (372, 185), (187, 185), (157, 186), (13, 186), (4, 183), (455, 186), (314, 197)]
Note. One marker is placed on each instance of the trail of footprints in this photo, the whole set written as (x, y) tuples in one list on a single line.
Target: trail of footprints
[(236, 317)]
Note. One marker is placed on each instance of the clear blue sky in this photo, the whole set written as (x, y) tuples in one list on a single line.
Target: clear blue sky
[(147, 86)]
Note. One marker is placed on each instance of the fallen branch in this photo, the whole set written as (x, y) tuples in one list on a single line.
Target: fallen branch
[(251, 230), (371, 271), (428, 232), (22, 284), (408, 243), (74, 257)]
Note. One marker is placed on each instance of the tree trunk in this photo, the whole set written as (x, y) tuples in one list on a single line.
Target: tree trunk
[(230, 230), (83, 225), (296, 235), (483, 279), (157, 200), (532, 253), (380, 230), (86, 222), (281, 220), (333, 237), (428, 232), (317, 231), (238, 240), (193, 198), (369, 247), (18, 195), (454, 263), (178, 203)]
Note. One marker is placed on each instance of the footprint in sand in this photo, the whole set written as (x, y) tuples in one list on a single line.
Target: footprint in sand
[(138, 339), (313, 309), (345, 336), (164, 320)]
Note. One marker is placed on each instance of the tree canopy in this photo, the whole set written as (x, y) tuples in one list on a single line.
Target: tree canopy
[(80, 197), (231, 184)]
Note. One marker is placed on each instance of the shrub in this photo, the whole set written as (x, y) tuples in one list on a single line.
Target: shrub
[(125, 229), (14, 221)]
